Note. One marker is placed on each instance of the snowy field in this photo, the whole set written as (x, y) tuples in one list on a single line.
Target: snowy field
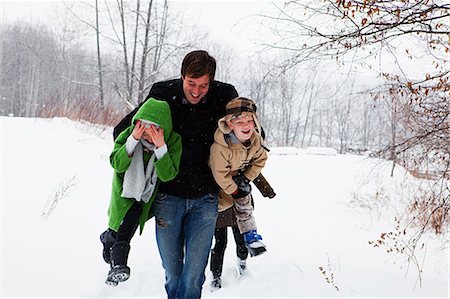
[(55, 185)]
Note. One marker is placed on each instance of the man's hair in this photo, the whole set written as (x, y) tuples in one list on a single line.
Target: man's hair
[(197, 64)]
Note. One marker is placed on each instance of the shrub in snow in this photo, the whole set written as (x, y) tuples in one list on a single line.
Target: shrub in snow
[(63, 190)]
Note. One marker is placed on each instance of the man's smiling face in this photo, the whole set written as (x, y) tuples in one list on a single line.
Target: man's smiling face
[(195, 88)]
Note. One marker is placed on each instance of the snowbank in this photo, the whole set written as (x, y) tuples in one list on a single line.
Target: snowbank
[(325, 151), (284, 151)]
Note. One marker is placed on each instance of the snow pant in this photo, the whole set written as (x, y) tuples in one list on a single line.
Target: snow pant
[(218, 252), (244, 213), (184, 232), (116, 245)]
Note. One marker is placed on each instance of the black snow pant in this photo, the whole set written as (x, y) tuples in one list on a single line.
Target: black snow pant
[(116, 245), (218, 252)]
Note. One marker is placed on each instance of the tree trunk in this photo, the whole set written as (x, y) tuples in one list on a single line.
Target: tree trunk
[(133, 59), (126, 65), (144, 54), (308, 110), (160, 38), (393, 133), (28, 103), (99, 60)]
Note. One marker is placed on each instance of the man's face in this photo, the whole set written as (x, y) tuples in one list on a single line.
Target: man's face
[(242, 127), (195, 88)]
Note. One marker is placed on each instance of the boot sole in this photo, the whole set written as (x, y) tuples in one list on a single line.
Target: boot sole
[(111, 283), (256, 251), (119, 277), (215, 287), (113, 279), (240, 271)]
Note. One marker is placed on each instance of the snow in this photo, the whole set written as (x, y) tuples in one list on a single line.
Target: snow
[(284, 151), (327, 151), (55, 185)]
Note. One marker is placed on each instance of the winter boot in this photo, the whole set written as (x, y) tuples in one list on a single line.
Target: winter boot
[(216, 284), (118, 273), (108, 238), (253, 244), (241, 266), (119, 270)]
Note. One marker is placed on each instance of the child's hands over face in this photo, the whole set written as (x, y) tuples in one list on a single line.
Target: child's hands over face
[(155, 135), (138, 130)]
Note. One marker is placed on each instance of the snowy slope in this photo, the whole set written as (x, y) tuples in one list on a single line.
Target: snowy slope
[(55, 184)]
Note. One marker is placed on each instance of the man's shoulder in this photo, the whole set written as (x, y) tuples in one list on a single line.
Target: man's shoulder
[(178, 83), (165, 90), (223, 92), (223, 86), (167, 83), (170, 90)]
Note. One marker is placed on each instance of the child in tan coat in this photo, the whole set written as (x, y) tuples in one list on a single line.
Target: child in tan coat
[(237, 157)]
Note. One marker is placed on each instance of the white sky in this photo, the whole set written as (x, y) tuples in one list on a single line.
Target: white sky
[(31, 11), (225, 20)]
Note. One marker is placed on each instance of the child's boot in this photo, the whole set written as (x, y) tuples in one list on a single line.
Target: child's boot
[(253, 244), (119, 270), (216, 284), (118, 273), (241, 266)]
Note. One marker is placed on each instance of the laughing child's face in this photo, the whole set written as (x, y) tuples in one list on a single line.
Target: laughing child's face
[(242, 126)]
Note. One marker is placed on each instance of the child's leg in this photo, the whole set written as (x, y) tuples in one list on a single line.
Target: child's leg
[(244, 210), (121, 248), (108, 238), (129, 225), (217, 253), (241, 250), (247, 225)]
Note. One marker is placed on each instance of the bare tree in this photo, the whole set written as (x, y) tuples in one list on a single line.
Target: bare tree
[(29, 68), (96, 28), (259, 87), (410, 29), (332, 28), (310, 95), (342, 108), (151, 35)]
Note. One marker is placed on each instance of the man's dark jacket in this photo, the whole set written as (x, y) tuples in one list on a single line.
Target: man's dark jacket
[(196, 124)]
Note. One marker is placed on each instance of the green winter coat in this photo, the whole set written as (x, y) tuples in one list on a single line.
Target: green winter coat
[(166, 168)]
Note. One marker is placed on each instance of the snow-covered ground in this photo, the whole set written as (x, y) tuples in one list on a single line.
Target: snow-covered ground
[(55, 185)]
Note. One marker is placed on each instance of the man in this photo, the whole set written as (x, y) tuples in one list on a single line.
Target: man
[(186, 208)]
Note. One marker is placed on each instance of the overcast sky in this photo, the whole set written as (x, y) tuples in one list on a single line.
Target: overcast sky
[(222, 19), (228, 22)]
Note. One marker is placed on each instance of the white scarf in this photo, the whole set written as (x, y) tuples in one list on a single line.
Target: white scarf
[(137, 182)]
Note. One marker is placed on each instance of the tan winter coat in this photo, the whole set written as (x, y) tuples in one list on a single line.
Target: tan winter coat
[(226, 159)]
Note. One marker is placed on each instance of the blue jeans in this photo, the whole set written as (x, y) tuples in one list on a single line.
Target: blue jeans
[(184, 232)]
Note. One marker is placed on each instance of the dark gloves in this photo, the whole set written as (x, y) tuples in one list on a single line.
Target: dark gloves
[(243, 184)]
